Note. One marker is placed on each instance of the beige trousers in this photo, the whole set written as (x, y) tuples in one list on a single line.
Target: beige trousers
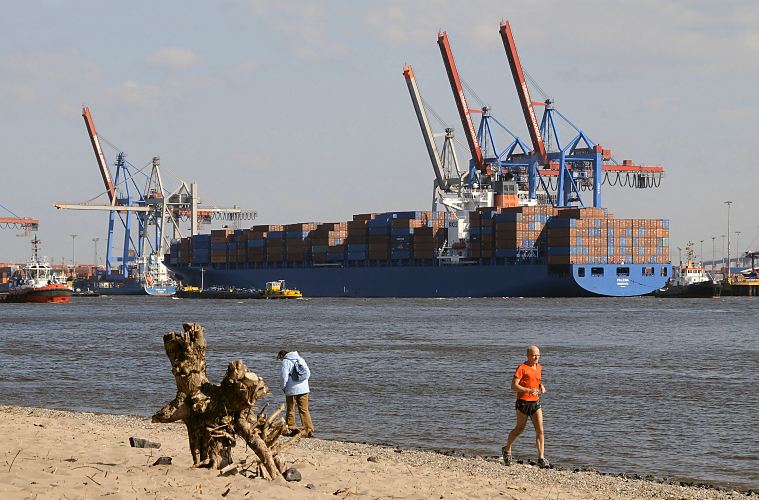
[(305, 416)]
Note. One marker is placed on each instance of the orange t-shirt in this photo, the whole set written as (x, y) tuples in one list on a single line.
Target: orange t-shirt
[(529, 377)]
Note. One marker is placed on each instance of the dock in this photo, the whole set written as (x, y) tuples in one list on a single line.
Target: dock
[(741, 288)]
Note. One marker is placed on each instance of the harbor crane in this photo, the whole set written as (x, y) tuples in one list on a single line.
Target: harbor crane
[(19, 223), (140, 194), (478, 162), (16, 222), (578, 163), (548, 170)]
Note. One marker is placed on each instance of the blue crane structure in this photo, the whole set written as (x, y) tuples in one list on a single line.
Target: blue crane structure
[(138, 200), (554, 169)]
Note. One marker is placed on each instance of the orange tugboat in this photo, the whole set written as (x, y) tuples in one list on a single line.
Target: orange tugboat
[(37, 282)]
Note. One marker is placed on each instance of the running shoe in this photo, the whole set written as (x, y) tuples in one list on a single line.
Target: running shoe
[(507, 458), (543, 463)]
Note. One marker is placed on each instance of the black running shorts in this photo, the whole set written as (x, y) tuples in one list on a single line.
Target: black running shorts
[(527, 407)]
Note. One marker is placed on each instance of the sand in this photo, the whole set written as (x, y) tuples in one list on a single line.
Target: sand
[(56, 454)]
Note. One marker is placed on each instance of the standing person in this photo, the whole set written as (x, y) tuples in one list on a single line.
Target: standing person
[(294, 373), (528, 385)]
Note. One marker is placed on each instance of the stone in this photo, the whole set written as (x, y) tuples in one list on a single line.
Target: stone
[(136, 442), (229, 470), (162, 461), (372, 459), (292, 474), (311, 486)]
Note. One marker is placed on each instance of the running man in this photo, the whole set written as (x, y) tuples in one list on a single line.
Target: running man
[(527, 383)]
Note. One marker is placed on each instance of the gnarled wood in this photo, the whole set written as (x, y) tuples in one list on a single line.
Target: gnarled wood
[(216, 414)]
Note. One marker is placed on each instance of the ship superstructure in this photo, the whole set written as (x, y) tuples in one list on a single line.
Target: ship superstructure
[(37, 282)]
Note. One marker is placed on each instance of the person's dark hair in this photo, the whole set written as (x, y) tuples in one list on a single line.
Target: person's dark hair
[(281, 355)]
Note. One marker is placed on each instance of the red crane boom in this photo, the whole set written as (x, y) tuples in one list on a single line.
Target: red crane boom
[(524, 94), (110, 188), (458, 94)]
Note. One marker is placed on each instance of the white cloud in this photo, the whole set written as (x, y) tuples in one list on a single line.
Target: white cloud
[(133, 92), (173, 57)]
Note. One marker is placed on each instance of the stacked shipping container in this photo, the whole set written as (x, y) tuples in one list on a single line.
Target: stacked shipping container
[(558, 236), (566, 236)]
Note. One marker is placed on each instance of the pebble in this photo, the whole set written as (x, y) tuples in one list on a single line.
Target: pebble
[(162, 461), (589, 480), (292, 474), (136, 442)]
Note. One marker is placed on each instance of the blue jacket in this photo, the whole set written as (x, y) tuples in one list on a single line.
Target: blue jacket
[(290, 386)]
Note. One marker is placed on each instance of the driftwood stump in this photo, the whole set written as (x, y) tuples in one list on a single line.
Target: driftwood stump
[(216, 414)]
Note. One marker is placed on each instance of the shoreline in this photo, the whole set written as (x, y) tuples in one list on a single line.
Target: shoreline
[(63, 453)]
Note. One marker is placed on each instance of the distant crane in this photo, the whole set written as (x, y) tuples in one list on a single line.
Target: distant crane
[(141, 192), (16, 222)]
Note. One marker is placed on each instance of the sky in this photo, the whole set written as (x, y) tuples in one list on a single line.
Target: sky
[(299, 109)]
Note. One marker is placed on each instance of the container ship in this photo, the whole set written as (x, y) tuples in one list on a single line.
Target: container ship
[(529, 251), (519, 221)]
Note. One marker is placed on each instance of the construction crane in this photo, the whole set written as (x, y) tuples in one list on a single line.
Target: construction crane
[(140, 193), (577, 164)]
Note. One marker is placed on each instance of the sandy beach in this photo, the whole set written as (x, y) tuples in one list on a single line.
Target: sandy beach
[(56, 454)]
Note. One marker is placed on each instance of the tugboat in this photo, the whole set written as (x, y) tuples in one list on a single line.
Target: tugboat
[(37, 282), (692, 281), (278, 290)]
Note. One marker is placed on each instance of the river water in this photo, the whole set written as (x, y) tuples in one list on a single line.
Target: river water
[(649, 386)]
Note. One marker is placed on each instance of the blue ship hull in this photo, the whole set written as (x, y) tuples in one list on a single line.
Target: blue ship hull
[(508, 280), (160, 290)]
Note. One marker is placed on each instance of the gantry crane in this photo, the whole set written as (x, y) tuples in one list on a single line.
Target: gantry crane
[(576, 164), (449, 191), (478, 161), (19, 223), (16, 222), (437, 164), (132, 191)]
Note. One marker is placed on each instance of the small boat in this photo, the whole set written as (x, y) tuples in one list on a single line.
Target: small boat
[(37, 282), (278, 290), (148, 277), (692, 281), (194, 292)]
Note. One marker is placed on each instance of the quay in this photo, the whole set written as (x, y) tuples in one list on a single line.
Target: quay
[(741, 288)]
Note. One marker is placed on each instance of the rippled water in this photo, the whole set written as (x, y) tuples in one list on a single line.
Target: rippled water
[(645, 385)]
